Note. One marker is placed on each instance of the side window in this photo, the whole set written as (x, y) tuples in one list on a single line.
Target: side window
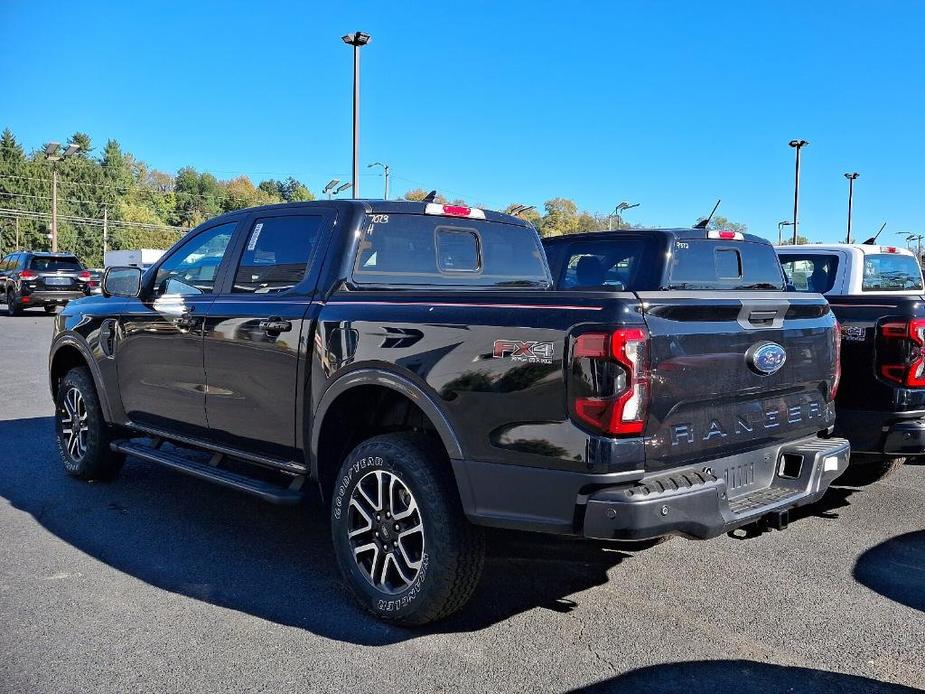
[(191, 268), (277, 253), (810, 272), (5, 263)]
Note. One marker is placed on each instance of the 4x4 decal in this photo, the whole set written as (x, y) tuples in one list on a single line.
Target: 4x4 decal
[(525, 351)]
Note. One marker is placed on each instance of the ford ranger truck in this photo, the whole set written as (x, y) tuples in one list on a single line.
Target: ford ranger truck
[(876, 293), (413, 361)]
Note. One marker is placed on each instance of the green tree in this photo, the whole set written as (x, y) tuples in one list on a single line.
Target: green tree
[(10, 150), (720, 222), (419, 194), (83, 140)]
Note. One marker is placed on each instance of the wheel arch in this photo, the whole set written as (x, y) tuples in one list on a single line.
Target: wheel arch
[(362, 382), (67, 353)]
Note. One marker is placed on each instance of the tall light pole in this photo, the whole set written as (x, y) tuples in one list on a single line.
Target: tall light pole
[(622, 207), (797, 145), (851, 177), (386, 169), (357, 40), (780, 234), (51, 154)]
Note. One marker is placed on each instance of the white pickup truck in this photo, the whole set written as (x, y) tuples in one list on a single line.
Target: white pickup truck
[(876, 293)]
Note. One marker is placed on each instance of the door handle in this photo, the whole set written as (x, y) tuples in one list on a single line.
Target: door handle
[(275, 324)]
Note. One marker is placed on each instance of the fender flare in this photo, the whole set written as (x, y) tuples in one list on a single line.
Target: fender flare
[(70, 341), (393, 381)]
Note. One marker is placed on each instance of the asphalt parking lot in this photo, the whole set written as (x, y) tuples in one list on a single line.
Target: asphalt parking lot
[(161, 583)]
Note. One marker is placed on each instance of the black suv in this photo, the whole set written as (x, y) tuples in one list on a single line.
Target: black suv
[(37, 279)]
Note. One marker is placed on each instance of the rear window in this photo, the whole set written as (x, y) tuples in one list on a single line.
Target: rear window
[(40, 264), (890, 271), (810, 272), (717, 264), (429, 250)]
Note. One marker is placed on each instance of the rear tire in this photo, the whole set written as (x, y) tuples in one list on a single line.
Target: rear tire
[(50, 310), (402, 541), (866, 468), (83, 436), (13, 307)]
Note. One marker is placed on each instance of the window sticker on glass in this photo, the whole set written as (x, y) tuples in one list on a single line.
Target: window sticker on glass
[(252, 244)]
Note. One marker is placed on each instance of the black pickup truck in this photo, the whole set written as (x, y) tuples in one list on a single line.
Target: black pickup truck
[(413, 360), (877, 295)]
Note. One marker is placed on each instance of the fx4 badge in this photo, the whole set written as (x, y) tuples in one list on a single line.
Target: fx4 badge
[(530, 352)]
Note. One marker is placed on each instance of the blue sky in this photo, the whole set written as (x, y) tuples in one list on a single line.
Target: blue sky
[(669, 104)]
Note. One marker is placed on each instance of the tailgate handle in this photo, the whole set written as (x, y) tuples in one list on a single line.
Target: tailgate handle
[(762, 317)]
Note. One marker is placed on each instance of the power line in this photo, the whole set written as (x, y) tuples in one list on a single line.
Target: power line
[(91, 221)]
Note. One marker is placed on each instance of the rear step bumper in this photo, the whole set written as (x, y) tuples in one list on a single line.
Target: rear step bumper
[(705, 501), (204, 471)]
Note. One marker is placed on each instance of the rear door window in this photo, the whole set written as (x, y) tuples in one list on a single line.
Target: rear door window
[(420, 250), (44, 264), (890, 271), (277, 254), (622, 264), (810, 272)]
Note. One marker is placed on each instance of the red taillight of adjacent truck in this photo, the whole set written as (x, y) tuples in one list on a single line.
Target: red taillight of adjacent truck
[(609, 385), (902, 352)]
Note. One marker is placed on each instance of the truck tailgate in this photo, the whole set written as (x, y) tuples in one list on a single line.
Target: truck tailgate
[(716, 391)]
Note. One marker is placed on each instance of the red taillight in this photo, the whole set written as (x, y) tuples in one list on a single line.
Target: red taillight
[(28, 275), (905, 362), (622, 412), (836, 336), (889, 249), (84, 276)]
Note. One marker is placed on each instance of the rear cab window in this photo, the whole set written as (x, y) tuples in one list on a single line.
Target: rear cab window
[(54, 264), (810, 272), (890, 271), (718, 264), (429, 250)]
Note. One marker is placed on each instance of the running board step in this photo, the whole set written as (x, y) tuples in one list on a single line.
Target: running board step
[(264, 490)]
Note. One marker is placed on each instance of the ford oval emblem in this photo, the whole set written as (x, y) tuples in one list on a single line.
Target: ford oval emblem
[(766, 358)]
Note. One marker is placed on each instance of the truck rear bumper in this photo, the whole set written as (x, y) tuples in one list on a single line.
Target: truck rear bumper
[(706, 501)]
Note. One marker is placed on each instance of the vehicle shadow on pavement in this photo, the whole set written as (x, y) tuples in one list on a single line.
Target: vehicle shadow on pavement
[(896, 569), (276, 563), (713, 676)]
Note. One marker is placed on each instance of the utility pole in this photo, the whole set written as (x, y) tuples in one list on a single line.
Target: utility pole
[(105, 230), (798, 145), (17, 235), (356, 40), (851, 177)]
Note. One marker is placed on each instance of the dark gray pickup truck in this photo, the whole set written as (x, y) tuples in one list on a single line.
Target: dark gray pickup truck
[(414, 361)]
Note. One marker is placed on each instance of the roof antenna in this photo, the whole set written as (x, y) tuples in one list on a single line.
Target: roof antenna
[(702, 224), (430, 197), (873, 239)]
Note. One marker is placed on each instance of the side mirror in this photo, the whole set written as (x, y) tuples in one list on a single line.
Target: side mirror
[(122, 281)]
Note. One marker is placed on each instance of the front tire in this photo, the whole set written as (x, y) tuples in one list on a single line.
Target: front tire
[(83, 436), (866, 469), (402, 542)]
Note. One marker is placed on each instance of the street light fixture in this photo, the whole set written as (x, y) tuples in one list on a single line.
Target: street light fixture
[(329, 187), (386, 170), (797, 145), (51, 154), (622, 207), (780, 234), (344, 187), (357, 40), (851, 178)]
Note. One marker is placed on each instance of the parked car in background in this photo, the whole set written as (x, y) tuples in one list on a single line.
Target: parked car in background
[(876, 292), (412, 360), (35, 279), (141, 257)]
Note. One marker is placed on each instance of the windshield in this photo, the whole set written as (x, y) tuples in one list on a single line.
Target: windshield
[(891, 271)]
